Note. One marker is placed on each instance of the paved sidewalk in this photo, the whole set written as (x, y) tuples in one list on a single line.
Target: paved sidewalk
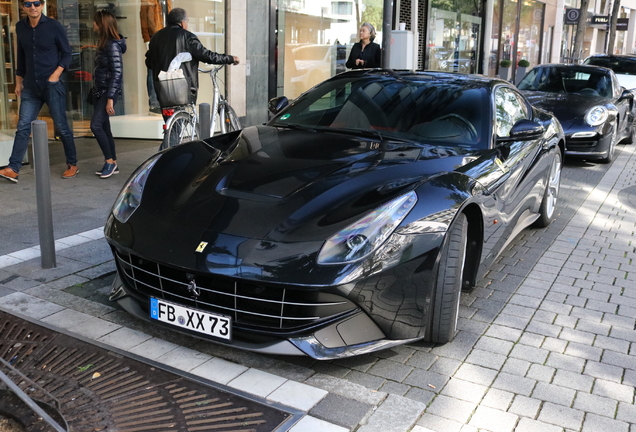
[(546, 340)]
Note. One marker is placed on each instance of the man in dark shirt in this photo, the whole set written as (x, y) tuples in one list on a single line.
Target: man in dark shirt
[(43, 54)]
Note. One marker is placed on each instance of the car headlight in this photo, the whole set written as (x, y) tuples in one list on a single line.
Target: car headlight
[(130, 196), (362, 238), (596, 116)]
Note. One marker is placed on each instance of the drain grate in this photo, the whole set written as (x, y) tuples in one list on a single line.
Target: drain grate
[(95, 389)]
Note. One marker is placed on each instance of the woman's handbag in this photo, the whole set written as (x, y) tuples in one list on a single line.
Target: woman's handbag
[(173, 92)]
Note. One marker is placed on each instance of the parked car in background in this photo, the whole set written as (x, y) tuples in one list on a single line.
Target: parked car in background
[(315, 63), (596, 112), (349, 223), (624, 66)]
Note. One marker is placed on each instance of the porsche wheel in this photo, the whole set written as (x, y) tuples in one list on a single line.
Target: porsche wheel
[(612, 148), (551, 194), (630, 138), (448, 285)]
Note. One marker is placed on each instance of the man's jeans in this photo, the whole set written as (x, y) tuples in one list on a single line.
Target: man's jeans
[(153, 102), (31, 101)]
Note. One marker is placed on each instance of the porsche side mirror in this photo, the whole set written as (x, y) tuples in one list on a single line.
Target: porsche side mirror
[(627, 94), (523, 130), (276, 104)]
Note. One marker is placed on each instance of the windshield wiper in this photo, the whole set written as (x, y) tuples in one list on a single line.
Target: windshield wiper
[(361, 132), (296, 126)]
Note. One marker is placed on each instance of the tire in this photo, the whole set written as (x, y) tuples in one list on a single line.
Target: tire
[(230, 119), (630, 137), (181, 130), (448, 282), (551, 194), (611, 151)]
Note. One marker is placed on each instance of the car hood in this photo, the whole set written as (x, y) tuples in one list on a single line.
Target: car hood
[(566, 107), (287, 185)]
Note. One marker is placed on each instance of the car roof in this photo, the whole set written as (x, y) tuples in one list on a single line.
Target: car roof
[(580, 67), (614, 56), (451, 77)]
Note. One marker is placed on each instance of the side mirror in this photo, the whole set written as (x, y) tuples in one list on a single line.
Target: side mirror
[(276, 104), (524, 130), (627, 94)]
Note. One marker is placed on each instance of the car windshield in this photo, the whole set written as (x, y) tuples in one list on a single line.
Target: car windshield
[(568, 80), (427, 110), (623, 66)]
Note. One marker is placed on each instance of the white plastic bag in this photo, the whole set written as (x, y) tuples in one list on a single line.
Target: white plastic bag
[(174, 70)]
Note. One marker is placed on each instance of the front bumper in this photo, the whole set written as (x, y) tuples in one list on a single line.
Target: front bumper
[(351, 335), (594, 146)]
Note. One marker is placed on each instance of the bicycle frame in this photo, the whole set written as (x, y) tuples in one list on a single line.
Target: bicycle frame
[(219, 103)]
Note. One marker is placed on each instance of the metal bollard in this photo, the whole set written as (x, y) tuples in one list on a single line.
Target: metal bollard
[(204, 121), (43, 192)]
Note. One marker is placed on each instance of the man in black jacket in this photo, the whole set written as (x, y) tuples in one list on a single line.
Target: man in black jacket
[(174, 39)]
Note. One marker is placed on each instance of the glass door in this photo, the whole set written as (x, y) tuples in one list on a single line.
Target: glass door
[(8, 103), (453, 37)]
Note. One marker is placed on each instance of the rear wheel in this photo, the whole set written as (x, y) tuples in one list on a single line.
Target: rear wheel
[(182, 129), (448, 282), (551, 194)]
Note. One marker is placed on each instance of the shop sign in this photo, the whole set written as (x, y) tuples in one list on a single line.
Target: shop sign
[(600, 19), (621, 24), (571, 16)]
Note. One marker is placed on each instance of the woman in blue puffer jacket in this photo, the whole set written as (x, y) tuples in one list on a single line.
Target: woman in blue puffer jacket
[(107, 85)]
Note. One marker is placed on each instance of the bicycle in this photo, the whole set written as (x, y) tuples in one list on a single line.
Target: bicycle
[(183, 123)]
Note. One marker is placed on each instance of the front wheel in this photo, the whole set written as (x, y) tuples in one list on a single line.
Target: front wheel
[(448, 283), (630, 138), (551, 194), (612, 147), (229, 119), (182, 129)]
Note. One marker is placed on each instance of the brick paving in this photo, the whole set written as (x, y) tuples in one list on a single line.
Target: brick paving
[(546, 339)]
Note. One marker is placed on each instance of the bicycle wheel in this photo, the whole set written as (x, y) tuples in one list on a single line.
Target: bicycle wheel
[(182, 129), (229, 118)]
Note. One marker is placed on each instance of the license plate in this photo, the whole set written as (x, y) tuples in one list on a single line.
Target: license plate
[(211, 324)]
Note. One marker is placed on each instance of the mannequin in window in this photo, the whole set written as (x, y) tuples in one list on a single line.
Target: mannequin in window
[(152, 15)]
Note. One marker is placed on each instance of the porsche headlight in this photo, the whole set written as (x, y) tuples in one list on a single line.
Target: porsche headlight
[(596, 116), (130, 196), (362, 238)]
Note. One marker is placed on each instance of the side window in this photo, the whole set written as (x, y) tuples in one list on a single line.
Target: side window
[(509, 109), (617, 86)]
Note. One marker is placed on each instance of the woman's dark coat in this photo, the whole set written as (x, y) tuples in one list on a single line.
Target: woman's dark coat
[(372, 56), (109, 68)]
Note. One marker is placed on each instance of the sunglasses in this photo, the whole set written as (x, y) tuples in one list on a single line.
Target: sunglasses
[(33, 3)]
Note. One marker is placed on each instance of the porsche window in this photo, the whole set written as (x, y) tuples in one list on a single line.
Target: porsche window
[(557, 79), (509, 109), (429, 111)]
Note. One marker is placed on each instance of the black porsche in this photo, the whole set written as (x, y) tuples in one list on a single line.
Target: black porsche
[(595, 111), (349, 223)]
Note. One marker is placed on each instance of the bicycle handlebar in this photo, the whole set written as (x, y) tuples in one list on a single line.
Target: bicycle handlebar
[(215, 69)]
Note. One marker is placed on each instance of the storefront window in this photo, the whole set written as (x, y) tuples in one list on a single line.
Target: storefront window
[(206, 20), (517, 32), (314, 39), (453, 36)]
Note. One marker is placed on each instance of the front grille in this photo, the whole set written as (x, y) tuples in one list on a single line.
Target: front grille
[(252, 305)]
